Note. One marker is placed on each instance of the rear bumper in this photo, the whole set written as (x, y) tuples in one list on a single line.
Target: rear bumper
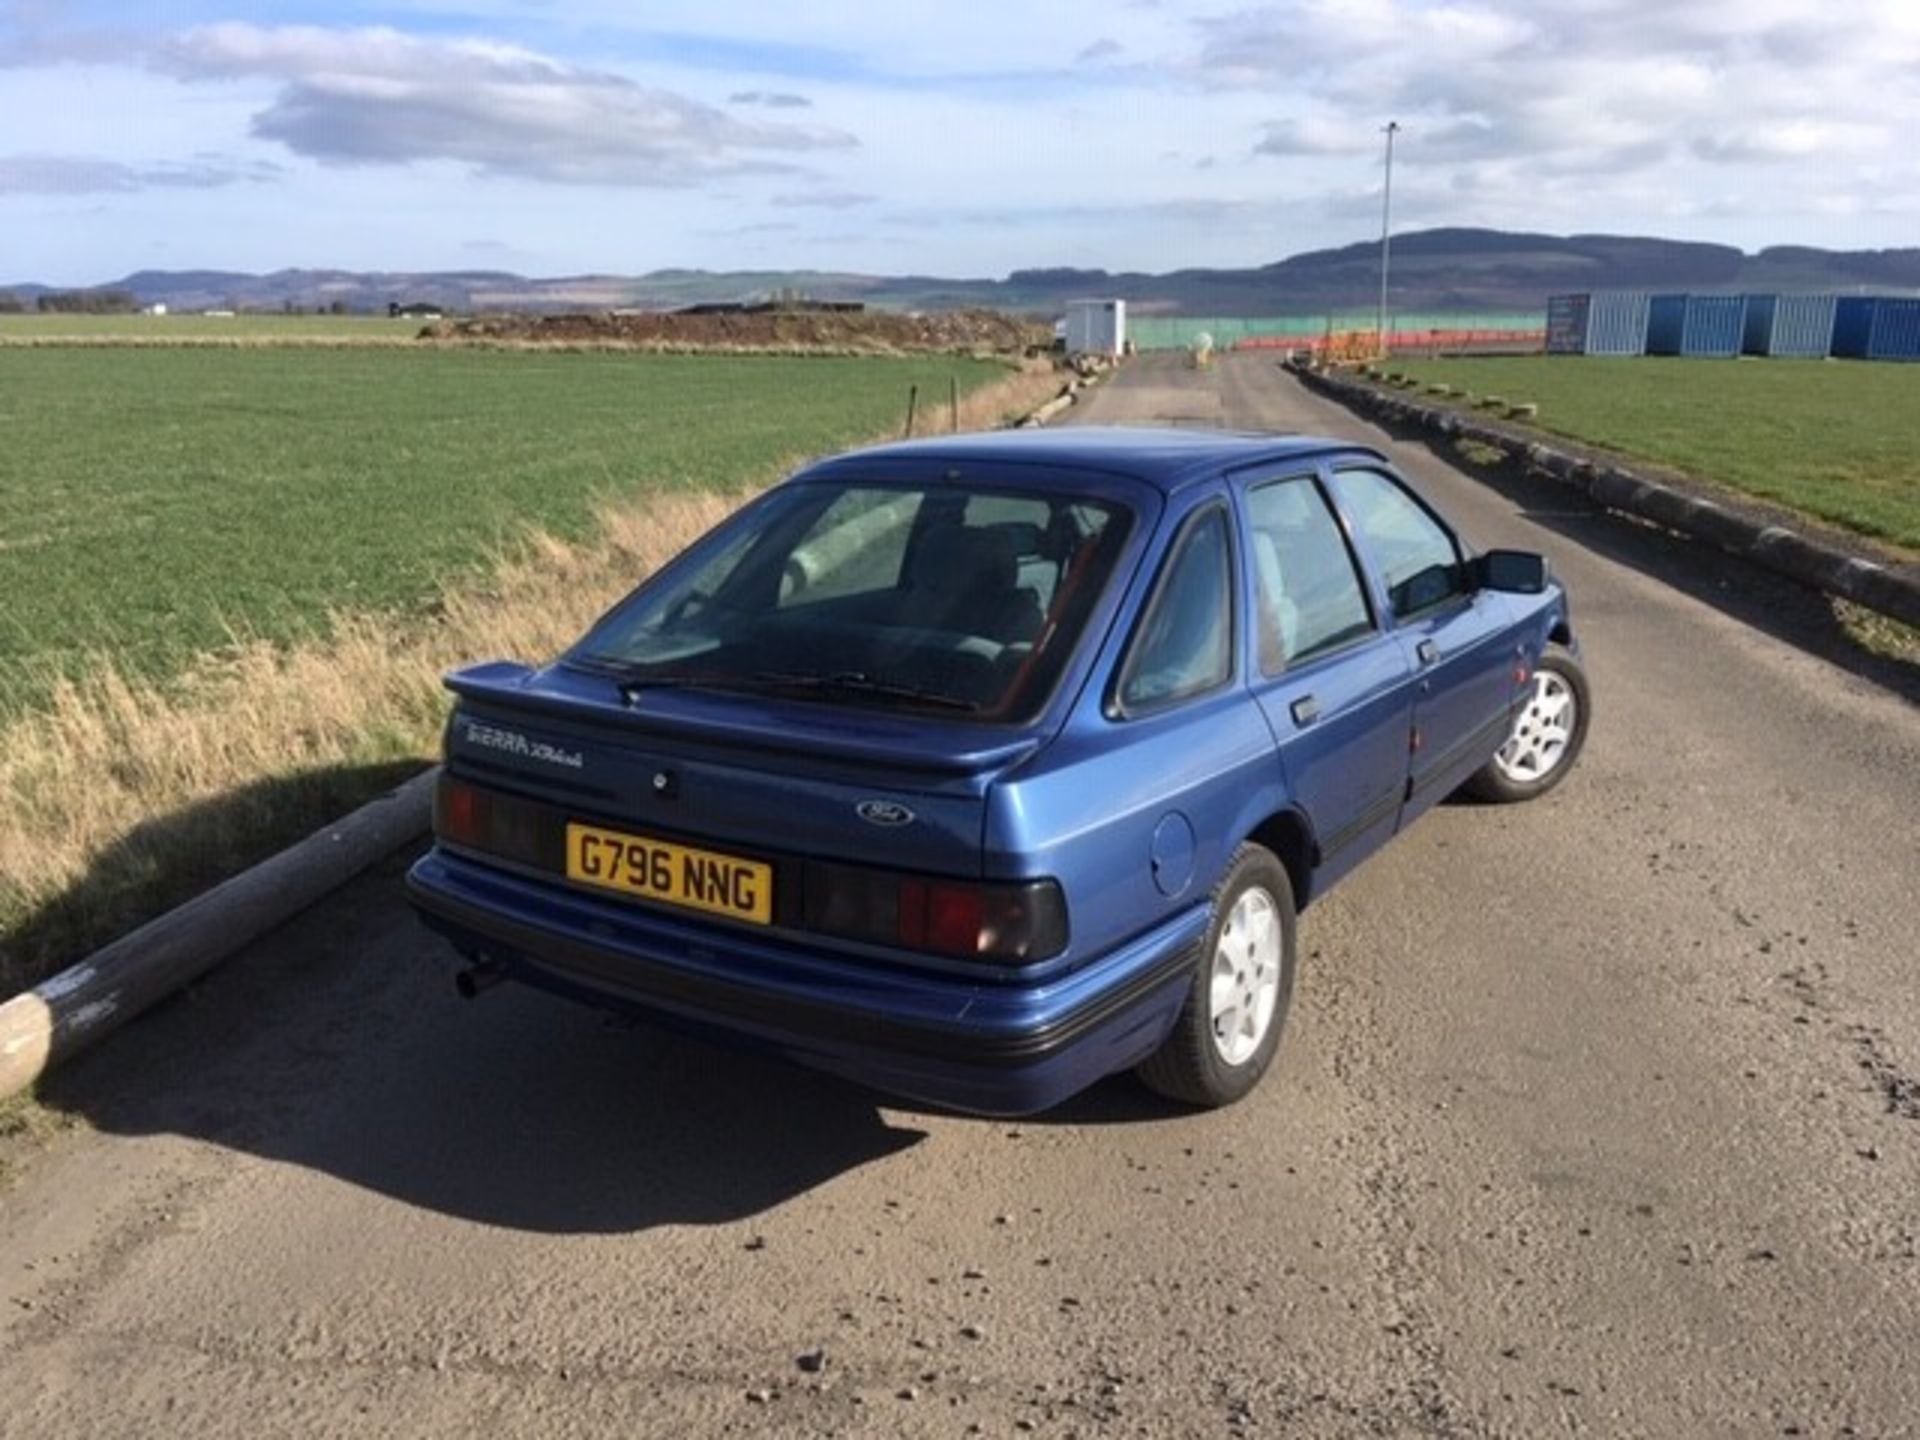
[(995, 1048)]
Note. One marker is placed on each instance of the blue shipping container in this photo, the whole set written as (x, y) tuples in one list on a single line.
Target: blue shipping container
[(1796, 325), (1666, 324), (1617, 322), (1896, 331), (1714, 325), (1853, 326), (1876, 327)]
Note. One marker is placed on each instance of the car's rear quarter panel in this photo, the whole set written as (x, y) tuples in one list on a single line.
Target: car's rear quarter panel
[(1087, 809)]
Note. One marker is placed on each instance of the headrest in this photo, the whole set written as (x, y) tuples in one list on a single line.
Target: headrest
[(967, 558)]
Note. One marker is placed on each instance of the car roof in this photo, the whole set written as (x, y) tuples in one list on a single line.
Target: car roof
[(1165, 457)]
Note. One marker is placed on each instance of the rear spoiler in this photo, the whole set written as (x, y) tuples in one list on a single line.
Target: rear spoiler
[(770, 726)]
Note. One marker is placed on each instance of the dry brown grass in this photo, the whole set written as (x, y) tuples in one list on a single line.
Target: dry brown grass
[(402, 342), (690, 347), (119, 798)]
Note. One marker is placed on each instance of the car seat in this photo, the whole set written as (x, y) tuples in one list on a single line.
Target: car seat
[(1279, 616), (966, 580)]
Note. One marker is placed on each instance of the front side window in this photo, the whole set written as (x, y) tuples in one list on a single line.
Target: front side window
[(946, 599), (1416, 554), (1311, 598), (1184, 646)]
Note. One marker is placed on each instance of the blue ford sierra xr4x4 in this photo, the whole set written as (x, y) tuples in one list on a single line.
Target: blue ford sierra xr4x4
[(979, 768)]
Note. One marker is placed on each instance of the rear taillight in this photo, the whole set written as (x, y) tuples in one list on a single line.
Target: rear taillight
[(941, 916), (459, 812), (475, 818), (1010, 923)]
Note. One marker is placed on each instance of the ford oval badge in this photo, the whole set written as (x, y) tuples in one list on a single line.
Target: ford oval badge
[(883, 812)]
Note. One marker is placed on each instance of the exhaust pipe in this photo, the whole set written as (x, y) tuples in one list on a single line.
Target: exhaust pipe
[(476, 980)]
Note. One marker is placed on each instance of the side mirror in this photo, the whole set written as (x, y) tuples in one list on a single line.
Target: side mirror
[(1518, 572)]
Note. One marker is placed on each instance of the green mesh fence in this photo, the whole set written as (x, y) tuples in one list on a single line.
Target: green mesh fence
[(1177, 332)]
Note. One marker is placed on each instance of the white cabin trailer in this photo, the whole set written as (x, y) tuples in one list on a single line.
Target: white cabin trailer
[(1096, 327)]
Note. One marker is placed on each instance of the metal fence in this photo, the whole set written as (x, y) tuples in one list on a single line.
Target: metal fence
[(1179, 332)]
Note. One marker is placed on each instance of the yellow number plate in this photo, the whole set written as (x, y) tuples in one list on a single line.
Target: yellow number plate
[(655, 870)]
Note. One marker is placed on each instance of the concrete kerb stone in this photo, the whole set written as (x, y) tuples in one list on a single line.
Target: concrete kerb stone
[(61, 1016), (1052, 408), (1785, 551), (1882, 590), (1070, 395), (1719, 527)]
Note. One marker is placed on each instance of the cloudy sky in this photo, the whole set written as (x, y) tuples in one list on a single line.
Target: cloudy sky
[(567, 136)]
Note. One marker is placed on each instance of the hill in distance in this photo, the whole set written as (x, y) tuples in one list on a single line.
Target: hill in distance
[(1445, 269)]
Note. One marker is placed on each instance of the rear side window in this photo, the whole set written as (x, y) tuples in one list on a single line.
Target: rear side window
[(1416, 554), (1311, 599), (1184, 646)]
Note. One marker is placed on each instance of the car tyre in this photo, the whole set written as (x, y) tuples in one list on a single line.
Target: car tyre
[(1242, 986), (1547, 737)]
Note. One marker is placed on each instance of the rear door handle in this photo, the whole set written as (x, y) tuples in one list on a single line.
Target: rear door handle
[(1427, 651), (1306, 710)]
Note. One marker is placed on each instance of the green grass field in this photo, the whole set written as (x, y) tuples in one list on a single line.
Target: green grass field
[(154, 501), (161, 328), (1838, 440)]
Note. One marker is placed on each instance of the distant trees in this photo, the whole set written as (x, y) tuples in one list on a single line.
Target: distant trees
[(10, 303), (88, 302)]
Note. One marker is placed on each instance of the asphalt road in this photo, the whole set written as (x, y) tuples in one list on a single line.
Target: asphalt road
[(1599, 1116)]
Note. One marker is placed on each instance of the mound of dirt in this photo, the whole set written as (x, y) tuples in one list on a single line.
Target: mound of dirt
[(972, 332)]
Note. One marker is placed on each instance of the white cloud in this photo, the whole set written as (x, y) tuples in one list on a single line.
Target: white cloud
[(377, 96), (1789, 141), (1317, 134), (772, 99), (825, 200), (92, 175), (929, 43), (1583, 90)]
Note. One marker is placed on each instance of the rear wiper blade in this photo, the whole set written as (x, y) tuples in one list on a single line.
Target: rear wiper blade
[(634, 678), (855, 682)]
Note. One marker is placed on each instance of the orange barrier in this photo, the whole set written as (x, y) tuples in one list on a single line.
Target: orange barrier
[(1365, 344)]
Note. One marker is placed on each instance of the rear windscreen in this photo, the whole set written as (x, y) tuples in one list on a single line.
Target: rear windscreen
[(941, 599)]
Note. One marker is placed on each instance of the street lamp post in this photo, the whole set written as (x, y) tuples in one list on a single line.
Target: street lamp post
[(1392, 128)]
